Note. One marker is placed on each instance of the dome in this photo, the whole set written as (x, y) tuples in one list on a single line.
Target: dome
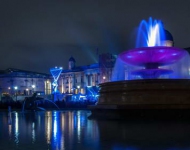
[(72, 59), (168, 36)]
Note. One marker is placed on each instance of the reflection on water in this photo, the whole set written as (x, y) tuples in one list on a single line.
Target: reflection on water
[(16, 129), (33, 133), (71, 130), (48, 126)]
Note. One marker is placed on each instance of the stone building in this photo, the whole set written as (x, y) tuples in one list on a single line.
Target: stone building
[(22, 82), (74, 80), (80, 79)]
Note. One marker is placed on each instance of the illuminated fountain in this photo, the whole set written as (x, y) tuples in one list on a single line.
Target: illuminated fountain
[(34, 103), (153, 58), (152, 76)]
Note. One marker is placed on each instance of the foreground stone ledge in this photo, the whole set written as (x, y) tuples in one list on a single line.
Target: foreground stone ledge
[(162, 98)]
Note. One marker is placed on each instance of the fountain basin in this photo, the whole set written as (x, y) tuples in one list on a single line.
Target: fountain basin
[(151, 91), (143, 97)]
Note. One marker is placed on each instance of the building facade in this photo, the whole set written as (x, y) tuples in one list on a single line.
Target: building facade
[(80, 79), (74, 80), (22, 82)]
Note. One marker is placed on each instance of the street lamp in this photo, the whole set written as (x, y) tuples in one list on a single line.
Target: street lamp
[(33, 86), (16, 88), (104, 78), (26, 91), (9, 88), (78, 87)]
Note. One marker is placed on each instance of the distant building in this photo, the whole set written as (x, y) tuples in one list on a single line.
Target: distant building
[(106, 65), (74, 80), (22, 82), (80, 79)]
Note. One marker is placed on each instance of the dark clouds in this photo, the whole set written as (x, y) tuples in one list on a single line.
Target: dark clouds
[(39, 34)]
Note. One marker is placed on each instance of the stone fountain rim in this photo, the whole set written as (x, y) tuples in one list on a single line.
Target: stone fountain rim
[(156, 81)]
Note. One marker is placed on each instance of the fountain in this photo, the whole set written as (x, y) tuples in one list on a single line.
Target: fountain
[(35, 103), (153, 77)]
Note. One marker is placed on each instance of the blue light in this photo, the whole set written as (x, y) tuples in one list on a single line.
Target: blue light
[(91, 96), (55, 73), (81, 96), (92, 93), (56, 130), (129, 56), (55, 125)]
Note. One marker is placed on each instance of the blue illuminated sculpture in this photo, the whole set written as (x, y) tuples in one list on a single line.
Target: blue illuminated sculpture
[(55, 73)]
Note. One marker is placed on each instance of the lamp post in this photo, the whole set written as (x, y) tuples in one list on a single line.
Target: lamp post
[(33, 87), (27, 91), (78, 87), (9, 88), (104, 78), (16, 88)]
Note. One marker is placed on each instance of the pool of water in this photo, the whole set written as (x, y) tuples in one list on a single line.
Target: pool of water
[(72, 130)]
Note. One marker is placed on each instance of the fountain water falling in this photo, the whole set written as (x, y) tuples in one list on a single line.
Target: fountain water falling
[(150, 34)]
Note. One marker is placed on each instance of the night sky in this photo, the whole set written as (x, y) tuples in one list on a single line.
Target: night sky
[(36, 35)]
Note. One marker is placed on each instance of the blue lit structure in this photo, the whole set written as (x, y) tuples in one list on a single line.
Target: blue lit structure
[(55, 73), (92, 92), (91, 96), (79, 84)]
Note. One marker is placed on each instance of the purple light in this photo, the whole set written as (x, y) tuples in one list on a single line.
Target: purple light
[(160, 55), (152, 58)]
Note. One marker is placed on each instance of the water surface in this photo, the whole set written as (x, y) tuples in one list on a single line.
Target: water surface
[(72, 130)]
